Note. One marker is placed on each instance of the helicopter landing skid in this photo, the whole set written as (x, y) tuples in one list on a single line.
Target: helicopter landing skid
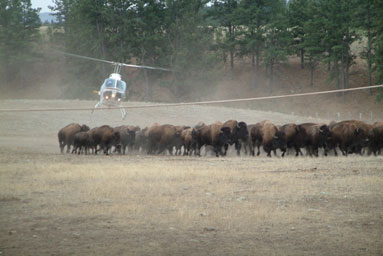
[(96, 106), (122, 110), (123, 113)]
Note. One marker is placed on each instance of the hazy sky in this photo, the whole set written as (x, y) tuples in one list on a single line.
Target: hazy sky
[(43, 4)]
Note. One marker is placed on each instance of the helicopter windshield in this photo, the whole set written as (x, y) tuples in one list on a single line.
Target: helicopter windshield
[(113, 83), (121, 85), (109, 83)]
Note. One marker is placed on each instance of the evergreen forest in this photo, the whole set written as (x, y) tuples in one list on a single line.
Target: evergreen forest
[(193, 38)]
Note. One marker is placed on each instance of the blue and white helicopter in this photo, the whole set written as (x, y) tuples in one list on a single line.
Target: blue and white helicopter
[(113, 91)]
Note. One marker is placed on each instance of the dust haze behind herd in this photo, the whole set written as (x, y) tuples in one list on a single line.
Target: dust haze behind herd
[(53, 82)]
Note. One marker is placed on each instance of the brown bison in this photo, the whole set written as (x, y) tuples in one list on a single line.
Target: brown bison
[(82, 142), (162, 137), (238, 134), (105, 137), (127, 137), (313, 136), (189, 140), (291, 131), (141, 140), (66, 135), (267, 134), (376, 138), (214, 135), (178, 145), (248, 146), (350, 136)]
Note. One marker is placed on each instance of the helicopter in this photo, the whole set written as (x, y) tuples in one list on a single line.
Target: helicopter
[(113, 90)]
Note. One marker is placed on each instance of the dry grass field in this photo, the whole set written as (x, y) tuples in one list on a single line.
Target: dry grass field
[(62, 204)]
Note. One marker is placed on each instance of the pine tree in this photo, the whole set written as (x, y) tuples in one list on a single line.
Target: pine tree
[(338, 35), (83, 26), (189, 43), (277, 39), (253, 16), (225, 13), (365, 13), (19, 24), (313, 35), (377, 45), (298, 15)]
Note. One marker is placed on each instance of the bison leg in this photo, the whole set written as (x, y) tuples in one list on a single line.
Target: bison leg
[(226, 147), (275, 152), (62, 145), (186, 150), (198, 150), (343, 149), (123, 149), (106, 150), (68, 148), (245, 148), (252, 149), (238, 148), (335, 152), (217, 151), (170, 149)]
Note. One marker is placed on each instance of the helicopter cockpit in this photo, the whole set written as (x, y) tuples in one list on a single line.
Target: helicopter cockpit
[(113, 90)]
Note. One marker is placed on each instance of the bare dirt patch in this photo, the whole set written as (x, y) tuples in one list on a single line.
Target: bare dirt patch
[(53, 204)]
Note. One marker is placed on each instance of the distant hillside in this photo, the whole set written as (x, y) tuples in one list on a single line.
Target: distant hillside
[(47, 17)]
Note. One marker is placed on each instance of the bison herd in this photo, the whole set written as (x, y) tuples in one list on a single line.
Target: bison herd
[(350, 137)]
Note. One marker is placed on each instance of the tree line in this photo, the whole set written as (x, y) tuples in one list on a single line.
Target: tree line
[(194, 37)]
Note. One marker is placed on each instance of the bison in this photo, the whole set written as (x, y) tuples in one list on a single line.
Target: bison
[(215, 135), (161, 137), (66, 135), (141, 140), (351, 136), (83, 141), (238, 134), (376, 138), (313, 136), (291, 131), (127, 137), (178, 144), (189, 140), (267, 134), (105, 137)]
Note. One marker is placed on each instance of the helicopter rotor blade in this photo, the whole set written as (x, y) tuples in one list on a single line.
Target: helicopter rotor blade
[(88, 58), (113, 62), (145, 67)]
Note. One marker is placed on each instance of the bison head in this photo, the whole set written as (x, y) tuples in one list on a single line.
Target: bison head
[(84, 128), (224, 136), (116, 137), (324, 133), (242, 131), (279, 140)]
